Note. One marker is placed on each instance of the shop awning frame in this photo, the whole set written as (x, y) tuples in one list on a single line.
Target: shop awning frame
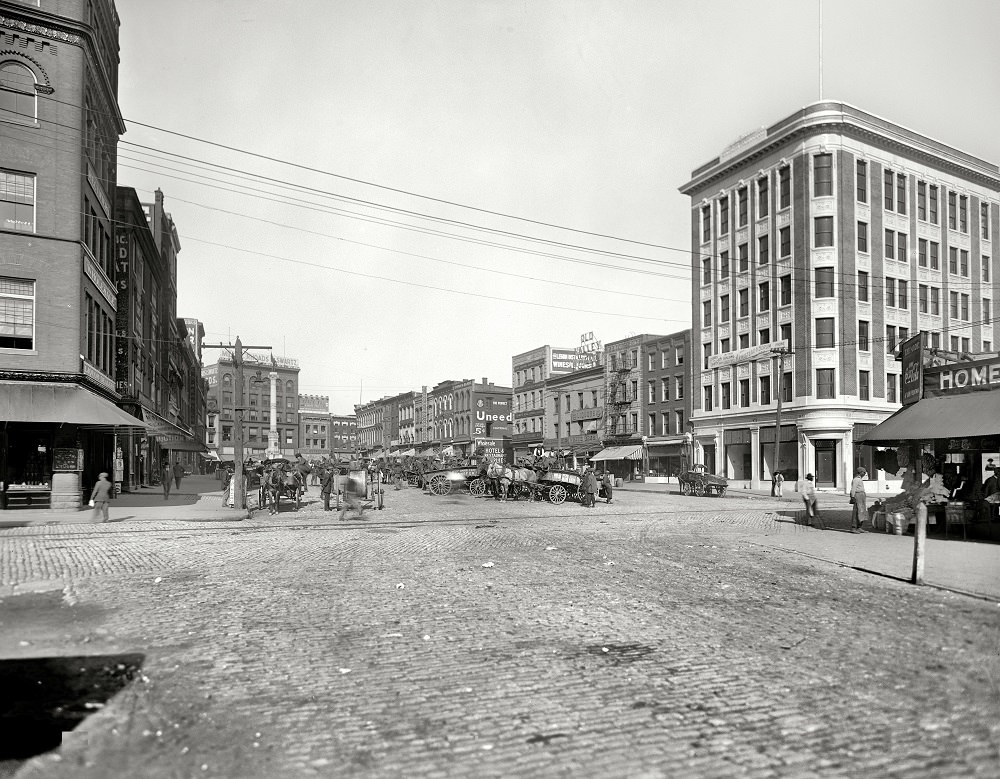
[(962, 415), (169, 436), (632, 452), (40, 401)]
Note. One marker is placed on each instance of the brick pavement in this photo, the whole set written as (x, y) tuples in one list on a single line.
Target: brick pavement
[(624, 640)]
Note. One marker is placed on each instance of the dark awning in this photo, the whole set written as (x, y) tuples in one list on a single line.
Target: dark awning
[(968, 415), (170, 436), (39, 401)]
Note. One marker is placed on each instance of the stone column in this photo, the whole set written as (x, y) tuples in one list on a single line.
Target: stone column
[(755, 458), (273, 450)]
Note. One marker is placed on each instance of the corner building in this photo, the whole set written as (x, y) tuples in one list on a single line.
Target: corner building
[(835, 235)]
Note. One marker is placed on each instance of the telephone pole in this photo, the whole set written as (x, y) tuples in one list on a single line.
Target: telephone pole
[(239, 493), (780, 352)]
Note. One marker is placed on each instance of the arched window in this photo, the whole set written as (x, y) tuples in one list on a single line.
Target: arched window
[(17, 92), (227, 380), (289, 387)]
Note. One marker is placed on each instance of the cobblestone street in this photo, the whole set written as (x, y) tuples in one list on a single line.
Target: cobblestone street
[(449, 636)]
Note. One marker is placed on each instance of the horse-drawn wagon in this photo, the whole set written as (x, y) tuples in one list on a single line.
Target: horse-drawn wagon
[(442, 481), (556, 485)]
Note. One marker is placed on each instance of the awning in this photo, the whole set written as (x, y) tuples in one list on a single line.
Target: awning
[(170, 436), (408, 453), (183, 446), (211, 455), (964, 415), (40, 401), (619, 453)]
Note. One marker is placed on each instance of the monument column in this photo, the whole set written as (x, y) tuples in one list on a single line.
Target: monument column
[(273, 449)]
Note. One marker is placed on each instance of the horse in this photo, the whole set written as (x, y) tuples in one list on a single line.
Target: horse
[(516, 481), (282, 481)]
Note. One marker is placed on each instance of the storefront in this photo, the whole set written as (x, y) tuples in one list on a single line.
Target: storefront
[(667, 458), (624, 462), (54, 441), (955, 428)]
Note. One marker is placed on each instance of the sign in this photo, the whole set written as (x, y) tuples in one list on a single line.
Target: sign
[(492, 448), (123, 382), (912, 354), (66, 460), (747, 354), (962, 377)]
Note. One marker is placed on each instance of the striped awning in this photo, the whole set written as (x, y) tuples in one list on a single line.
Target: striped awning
[(619, 453)]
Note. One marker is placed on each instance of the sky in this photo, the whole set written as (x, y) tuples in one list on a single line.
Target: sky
[(400, 193)]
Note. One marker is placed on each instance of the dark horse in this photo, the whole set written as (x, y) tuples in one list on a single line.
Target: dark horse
[(282, 481)]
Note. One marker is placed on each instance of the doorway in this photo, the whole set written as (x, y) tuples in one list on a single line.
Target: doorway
[(826, 463)]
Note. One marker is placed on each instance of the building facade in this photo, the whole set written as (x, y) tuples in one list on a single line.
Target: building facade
[(667, 379), (314, 426), (58, 282), (575, 415), (482, 418), (343, 436), (819, 244)]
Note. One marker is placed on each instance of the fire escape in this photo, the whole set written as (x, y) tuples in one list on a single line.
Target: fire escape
[(618, 398)]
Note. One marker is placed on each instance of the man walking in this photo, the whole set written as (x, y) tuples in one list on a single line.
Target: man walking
[(808, 491), (166, 476), (178, 475), (101, 497), (608, 486)]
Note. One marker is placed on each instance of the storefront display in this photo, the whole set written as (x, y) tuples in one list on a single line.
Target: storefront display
[(26, 467)]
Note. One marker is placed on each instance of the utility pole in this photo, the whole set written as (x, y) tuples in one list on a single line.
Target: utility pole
[(239, 494), (780, 352)]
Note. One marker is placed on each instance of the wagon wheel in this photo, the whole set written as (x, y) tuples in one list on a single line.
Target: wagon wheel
[(477, 487), (699, 490), (721, 492), (686, 487), (557, 494), (440, 485)]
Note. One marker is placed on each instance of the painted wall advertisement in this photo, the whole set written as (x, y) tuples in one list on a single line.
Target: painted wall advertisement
[(493, 448), (492, 417)]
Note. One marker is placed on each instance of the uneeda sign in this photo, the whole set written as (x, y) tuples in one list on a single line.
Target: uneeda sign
[(911, 353), (957, 378)]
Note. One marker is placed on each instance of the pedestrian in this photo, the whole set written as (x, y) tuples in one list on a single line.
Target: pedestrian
[(329, 484), (808, 492), (354, 496), (608, 485), (589, 486), (779, 485), (859, 499), (101, 497), (178, 474), (166, 477), (302, 470)]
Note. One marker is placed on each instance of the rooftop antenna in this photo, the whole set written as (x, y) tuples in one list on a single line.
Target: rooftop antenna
[(820, 49)]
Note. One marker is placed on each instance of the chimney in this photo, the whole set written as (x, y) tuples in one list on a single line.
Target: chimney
[(486, 382)]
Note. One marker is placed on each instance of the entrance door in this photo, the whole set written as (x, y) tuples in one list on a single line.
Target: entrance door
[(709, 453), (826, 463)]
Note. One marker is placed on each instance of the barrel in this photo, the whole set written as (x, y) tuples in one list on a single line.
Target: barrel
[(65, 491)]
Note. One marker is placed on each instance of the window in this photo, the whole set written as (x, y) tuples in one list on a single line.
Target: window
[(763, 256), (651, 390), (784, 187), (724, 346), (890, 245), (861, 176), (863, 286), (706, 350), (663, 359), (764, 336), (987, 346), (678, 421), (724, 308), (953, 260), (952, 210), (679, 387), (890, 339), (17, 313), (963, 213), (954, 343), (786, 333), (706, 313), (762, 197), (965, 345), (825, 388), (650, 364), (227, 432), (986, 311), (678, 355), (901, 193), (17, 201), (785, 241), (890, 292), (903, 296), (744, 393), (786, 387), (923, 299), (984, 220), (741, 207), (708, 399), (862, 237), (764, 296), (822, 175), (723, 216), (922, 200), (932, 204), (890, 387), (863, 344), (665, 422), (934, 251), (864, 390), (901, 247), (706, 270), (935, 301), (889, 190), (765, 390), (936, 340), (986, 267), (922, 252), (744, 304), (743, 251), (727, 392), (664, 390), (953, 305), (825, 333), (706, 224), (824, 282), (17, 93), (823, 230), (964, 306), (963, 263), (724, 265)]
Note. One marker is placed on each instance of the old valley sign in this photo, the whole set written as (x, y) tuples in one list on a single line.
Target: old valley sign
[(962, 377)]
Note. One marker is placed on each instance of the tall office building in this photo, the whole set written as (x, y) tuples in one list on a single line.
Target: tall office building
[(832, 235)]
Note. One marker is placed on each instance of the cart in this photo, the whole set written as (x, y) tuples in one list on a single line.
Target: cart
[(700, 482), (444, 480), (556, 486)]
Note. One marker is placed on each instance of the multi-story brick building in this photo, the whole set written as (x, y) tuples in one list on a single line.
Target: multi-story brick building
[(833, 235), (574, 415), (667, 408), (314, 426), (343, 436), (482, 417), (58, 283)]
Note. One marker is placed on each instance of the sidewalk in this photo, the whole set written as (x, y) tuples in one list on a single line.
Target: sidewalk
[(199, 499)]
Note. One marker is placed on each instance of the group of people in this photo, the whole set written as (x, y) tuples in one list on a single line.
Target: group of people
[(858, 497), (590, 487)]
